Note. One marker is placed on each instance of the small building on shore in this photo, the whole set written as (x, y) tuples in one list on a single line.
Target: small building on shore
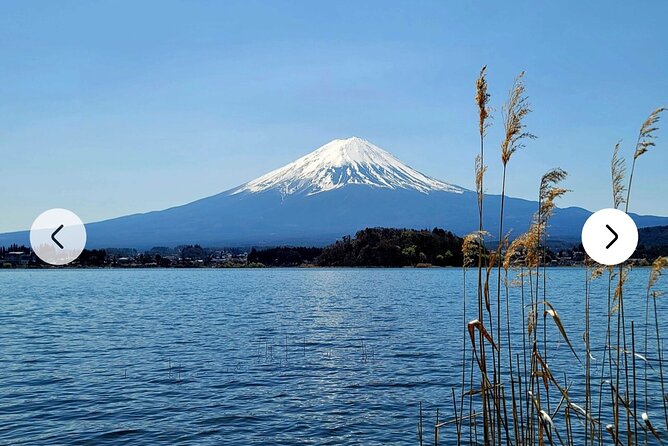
[(17, 258)]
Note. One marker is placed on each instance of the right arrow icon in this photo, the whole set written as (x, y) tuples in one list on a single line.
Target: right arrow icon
[(614, 239), (606, 245)]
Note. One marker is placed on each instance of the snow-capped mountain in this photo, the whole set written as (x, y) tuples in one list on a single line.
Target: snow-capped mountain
[(343, 162), (340, 188)]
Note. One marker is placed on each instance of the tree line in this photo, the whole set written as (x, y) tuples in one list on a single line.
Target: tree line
[(372, 247)]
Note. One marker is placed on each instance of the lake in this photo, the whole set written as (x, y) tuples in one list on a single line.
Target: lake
[(244, 356)]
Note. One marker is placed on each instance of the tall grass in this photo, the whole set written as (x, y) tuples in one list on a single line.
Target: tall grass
[(517, 398)]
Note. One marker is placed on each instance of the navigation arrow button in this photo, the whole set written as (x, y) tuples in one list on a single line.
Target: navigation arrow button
[(614, 244), (58, 236), (53, 236), (614, 239)]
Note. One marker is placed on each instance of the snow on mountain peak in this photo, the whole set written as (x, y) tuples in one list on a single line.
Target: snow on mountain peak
[(342, 162)]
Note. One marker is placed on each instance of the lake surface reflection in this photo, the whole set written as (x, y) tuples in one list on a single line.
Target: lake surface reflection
[(278, 356)]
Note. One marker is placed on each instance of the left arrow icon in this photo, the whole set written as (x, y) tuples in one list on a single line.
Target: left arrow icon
[(53, 236), (62, 245)]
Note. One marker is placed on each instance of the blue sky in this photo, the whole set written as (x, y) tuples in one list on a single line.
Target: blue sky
[(110, 108)]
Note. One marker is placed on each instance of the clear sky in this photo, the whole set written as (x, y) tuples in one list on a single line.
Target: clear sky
[(110, 108)]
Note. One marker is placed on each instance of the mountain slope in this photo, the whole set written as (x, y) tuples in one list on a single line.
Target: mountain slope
[(342, 187), (344, 162)]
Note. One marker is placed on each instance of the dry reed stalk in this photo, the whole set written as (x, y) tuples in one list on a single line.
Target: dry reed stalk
[(536, 425), (650, 427), (436, 429), (514, 112), (635, 392), (628, 409), (655, 273), (456, 420), (420, 424), (482, 99), (521, 406), (471, 250), (595, 274), (557, 321), (618, 171), (587, 349), (569, 429), (599, 272), (645, 141), (477, 325), (463, 383), (509, 344), (548, 193), (613, 433)]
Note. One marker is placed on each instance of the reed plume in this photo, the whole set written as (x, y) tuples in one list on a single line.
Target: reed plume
[(548, 193), (515, 110), (655, 273), (514, 251), (646, 137), (482, 98), (471, 246), (618, 166)]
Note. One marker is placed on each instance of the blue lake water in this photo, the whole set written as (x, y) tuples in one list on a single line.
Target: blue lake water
[(277, 356)]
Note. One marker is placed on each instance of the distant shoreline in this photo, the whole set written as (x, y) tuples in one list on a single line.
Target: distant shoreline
[(309, 267), (369, 248)]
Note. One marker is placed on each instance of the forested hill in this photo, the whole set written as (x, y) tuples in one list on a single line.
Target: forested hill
[(393, 248), (652, 242), (653, 236), (284, 256)]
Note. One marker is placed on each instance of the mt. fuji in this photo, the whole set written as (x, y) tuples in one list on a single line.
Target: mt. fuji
[(344, 162), (338, 189)]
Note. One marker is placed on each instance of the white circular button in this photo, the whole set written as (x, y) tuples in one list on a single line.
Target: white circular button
[(610, 236), (58, 236)]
